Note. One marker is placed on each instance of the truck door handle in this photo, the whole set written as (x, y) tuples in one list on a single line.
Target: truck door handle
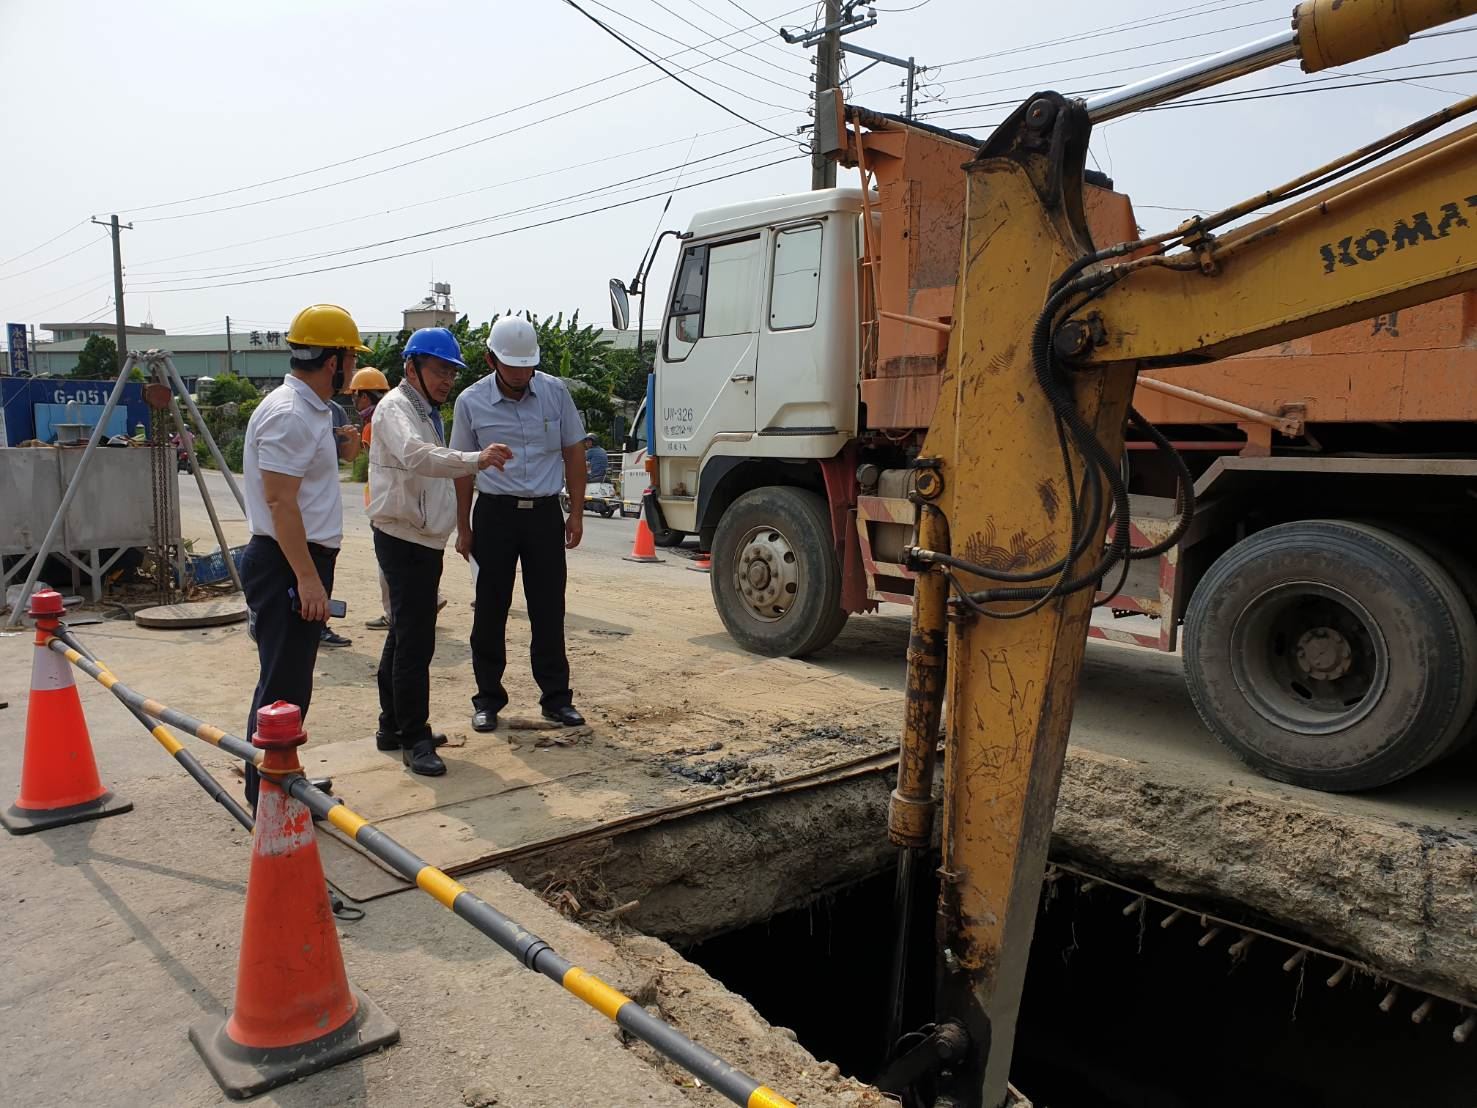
[(742, 377)]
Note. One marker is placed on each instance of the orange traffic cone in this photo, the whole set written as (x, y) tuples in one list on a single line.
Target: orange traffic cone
[(643, 549), (704, 563), (59, 781), (296, 1012)]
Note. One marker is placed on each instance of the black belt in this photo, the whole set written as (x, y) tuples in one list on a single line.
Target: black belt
[(518, 501), (313, 547)]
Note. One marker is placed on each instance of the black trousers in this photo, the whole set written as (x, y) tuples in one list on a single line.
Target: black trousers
[(413, 574), (286, 644), (505, 536)]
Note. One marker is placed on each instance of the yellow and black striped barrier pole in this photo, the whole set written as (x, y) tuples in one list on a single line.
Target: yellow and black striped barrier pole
[(535, 954), (172, 745), (152, 708)]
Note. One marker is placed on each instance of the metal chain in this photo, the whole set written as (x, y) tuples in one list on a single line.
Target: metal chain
[(162, 456)]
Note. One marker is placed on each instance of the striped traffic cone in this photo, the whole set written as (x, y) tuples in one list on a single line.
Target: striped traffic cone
[(59, 780), (296, 1012)]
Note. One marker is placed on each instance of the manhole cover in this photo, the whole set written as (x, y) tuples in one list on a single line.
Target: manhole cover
[(199, 613)]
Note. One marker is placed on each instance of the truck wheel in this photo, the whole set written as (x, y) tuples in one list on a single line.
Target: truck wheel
[(775, 579), (666, 538), (1463, 574), (1331, 655)]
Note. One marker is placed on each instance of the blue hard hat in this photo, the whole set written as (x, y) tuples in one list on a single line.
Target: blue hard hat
[(437, 341)]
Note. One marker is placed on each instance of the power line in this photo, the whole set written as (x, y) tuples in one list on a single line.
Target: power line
[(416, 141), (97, 286), (422, 159), (767, 24), (492, 234), (43, 265), (48, 242), (232, 271), (1058, 81), (1117, 50), (710, 80), (1290, 88), (1147, 45), (1305, 81), (652, 61), (1193, 11), (758, 41), (521, 179)]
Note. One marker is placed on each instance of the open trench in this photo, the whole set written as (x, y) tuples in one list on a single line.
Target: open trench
[(788, 903)]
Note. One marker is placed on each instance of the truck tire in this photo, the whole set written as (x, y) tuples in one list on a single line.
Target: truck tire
[(775, 579), (1463, 574), (666, 538), (1332, 655)]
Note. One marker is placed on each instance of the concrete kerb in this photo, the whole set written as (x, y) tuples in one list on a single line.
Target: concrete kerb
[(535, 954)]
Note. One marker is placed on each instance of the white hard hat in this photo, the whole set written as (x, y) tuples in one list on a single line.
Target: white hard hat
[(514, 341)]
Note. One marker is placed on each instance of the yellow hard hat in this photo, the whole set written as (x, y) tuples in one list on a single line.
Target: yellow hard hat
[(370, 379), (326, 325)]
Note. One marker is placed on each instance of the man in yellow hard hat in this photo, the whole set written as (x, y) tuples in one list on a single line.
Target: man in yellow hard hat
[(368, 388), (293, 511)]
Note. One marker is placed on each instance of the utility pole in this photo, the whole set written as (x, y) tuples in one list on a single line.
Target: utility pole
[(117, 227), (840, 19), (230, 355), (910, 64), (827, 76)]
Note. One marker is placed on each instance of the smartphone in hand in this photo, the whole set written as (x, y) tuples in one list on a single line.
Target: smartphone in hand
[(337, 609)]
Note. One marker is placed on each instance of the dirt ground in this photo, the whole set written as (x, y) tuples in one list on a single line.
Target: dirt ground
[(123, 929)]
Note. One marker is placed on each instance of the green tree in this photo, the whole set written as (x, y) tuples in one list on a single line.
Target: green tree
[(229, 388), (98, 360), (630, 370)]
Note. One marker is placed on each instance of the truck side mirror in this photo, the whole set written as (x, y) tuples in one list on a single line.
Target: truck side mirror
[(620, 305)]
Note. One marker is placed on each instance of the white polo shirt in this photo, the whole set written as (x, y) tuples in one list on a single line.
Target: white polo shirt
[(291, 432)]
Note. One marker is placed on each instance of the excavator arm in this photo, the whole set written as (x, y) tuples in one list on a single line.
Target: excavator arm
[(1019, 477)]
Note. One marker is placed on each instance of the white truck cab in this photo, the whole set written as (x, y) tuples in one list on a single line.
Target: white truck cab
[(757, 358)]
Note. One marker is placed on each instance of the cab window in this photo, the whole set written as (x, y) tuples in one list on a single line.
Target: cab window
[(795, 286), (715, 294)]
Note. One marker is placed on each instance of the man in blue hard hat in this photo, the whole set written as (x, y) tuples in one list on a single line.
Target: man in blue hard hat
[(412, 509)]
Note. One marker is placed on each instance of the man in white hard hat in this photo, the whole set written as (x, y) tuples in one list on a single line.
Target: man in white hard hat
[(518, 518)]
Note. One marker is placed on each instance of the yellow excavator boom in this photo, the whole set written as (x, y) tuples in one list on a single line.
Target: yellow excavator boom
[(1019, 474)]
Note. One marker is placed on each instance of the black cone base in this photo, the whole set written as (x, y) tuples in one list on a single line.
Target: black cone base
[(243, 1071)]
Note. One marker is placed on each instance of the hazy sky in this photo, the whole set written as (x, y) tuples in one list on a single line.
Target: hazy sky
[(141, 108)]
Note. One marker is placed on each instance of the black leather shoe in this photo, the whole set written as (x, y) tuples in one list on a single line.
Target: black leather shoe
[(565, 716), (383, 741), (484, 721), (424, 760)]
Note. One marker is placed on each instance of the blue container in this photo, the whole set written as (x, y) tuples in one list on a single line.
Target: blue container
[(209, 569)]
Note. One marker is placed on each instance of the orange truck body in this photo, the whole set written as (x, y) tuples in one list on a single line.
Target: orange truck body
[(1257, 430)]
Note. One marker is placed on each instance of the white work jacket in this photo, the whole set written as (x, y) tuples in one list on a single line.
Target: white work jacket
[(411, 493)]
